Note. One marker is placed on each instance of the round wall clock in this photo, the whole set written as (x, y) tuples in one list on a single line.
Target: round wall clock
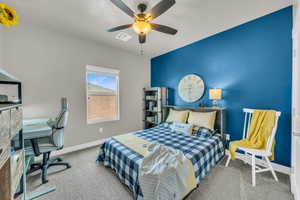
[(191, 88)]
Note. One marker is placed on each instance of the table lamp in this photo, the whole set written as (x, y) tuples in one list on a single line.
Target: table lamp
[(215, 95)]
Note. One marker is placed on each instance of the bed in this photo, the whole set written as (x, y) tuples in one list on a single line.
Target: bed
[(204, 154)]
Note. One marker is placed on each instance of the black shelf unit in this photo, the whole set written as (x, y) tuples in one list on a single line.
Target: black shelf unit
[(155, 99)]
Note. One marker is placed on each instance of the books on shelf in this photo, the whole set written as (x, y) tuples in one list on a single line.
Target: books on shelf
[(153, 98), (154, 101)]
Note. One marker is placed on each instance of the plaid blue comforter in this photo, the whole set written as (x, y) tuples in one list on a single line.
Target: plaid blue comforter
[(204, 153)]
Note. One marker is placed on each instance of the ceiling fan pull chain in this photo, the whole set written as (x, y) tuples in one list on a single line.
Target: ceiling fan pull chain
[(141, 49)]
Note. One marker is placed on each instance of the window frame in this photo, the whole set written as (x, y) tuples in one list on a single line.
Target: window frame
[(104, 71)]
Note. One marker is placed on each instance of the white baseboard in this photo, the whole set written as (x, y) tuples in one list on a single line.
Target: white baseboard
[(277, 167), (78, 147), (294, 187)]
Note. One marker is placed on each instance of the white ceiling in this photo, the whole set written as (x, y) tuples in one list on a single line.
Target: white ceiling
[(194, 19)]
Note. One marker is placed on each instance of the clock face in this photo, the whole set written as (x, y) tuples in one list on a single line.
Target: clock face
[(191, 88)]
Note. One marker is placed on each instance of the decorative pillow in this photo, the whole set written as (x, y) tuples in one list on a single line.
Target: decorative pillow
[(195, 130), (205, 132), (167, 124), (202, 119), (183, 128), (177, 116)]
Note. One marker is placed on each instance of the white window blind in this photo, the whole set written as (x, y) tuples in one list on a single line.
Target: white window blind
[(102, 86)]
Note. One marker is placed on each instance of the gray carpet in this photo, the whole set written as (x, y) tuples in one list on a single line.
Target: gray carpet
[(87, 180)]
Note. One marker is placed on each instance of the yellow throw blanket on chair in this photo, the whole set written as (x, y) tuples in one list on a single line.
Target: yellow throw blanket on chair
[(261, 128)]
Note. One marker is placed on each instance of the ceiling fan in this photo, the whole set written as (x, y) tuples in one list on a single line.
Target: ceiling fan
[(142, 25)]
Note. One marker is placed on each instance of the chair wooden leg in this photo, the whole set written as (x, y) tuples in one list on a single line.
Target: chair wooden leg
[(245, 158), (253, 171), (228, 160), (271, 168)]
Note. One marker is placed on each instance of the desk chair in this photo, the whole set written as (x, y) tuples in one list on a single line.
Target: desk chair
[(263, 153), (42, 136)]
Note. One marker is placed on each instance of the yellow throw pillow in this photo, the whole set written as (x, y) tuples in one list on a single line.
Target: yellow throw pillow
[(204, 119), (177, 116)]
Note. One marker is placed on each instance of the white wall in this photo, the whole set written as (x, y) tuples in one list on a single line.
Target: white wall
[(1, 46), (52, 65), (295, 176)]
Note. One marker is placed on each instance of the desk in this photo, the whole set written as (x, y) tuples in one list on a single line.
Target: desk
[(35, 129)]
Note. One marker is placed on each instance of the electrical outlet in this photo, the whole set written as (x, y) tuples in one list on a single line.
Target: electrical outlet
[(101, 130), (227, 137)]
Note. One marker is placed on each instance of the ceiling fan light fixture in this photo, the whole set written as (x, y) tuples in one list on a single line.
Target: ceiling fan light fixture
[(141, 27), (142, 21)]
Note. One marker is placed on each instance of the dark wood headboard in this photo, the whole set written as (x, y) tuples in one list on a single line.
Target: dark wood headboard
[(220, 123)]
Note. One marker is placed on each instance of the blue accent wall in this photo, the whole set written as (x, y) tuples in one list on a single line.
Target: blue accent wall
[(252, 63)]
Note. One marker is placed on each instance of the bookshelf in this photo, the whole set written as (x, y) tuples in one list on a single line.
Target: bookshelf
[(155, 99)]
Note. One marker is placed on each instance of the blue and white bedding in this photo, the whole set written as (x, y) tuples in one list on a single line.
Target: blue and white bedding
[(204, 153)]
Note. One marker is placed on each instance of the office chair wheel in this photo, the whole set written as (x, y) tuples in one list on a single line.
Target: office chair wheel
[(33, 168), (68, 166), (58, 159), (45, 181)]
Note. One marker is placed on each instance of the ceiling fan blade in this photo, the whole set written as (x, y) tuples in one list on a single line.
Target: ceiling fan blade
[(142, 39), (117, 28), (120, 4), (164, 29), (161, 7)]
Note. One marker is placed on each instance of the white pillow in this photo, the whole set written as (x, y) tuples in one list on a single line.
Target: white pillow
[(181, 127), (177, 116), (202, 119)]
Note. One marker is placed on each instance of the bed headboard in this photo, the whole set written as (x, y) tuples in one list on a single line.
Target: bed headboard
[(220, 123)]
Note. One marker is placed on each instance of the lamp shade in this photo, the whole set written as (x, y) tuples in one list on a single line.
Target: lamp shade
[(215, 94)]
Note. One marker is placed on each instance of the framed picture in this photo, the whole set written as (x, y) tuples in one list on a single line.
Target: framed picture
[(10, 92)]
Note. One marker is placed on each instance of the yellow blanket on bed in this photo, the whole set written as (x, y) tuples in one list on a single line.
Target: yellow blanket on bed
[(140, 146), (261, 128)]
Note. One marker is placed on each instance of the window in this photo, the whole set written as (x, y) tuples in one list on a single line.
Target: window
[(102, 94)]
